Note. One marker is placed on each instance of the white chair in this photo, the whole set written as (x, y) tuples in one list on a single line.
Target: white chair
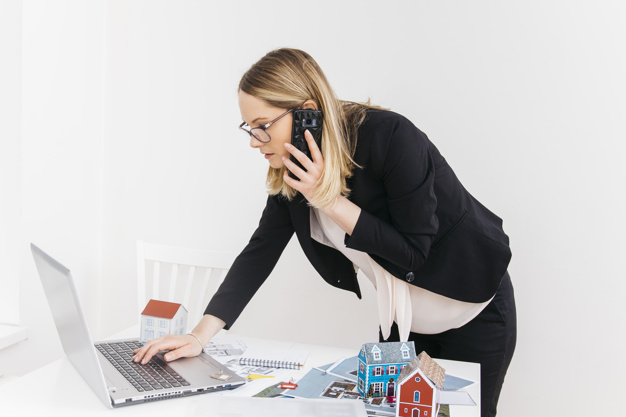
[(180, 275)]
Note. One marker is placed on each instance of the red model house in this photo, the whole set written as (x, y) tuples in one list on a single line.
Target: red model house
[(418, 388)]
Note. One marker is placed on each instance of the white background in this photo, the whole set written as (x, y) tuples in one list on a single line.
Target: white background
[(125, 128)]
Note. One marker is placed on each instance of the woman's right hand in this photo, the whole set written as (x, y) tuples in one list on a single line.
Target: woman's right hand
[(179, 346)]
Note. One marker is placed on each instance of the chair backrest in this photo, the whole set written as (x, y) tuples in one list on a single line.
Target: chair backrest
[(180, 275)]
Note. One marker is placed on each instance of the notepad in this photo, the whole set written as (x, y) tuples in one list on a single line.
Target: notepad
[(274, 358)]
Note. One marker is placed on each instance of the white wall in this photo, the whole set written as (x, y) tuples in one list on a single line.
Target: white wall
[(174, 156), (10, 111), (524, 99), (62, 81)]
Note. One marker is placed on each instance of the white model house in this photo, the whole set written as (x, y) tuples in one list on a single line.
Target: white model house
[(161, 318)]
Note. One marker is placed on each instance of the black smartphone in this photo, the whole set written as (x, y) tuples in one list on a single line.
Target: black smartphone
[(304, 120)]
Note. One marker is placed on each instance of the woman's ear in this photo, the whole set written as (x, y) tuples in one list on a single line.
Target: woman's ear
[(309, 105)]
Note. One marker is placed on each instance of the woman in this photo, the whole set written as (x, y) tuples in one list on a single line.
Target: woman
[(377, 196)]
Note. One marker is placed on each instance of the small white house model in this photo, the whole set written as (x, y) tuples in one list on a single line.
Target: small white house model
[(161, 318)]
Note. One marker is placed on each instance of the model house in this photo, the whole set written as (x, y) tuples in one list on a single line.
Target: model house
[(161, 318), (380, 365), (418, 388)]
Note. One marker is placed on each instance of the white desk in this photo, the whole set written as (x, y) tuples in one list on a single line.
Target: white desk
[(10, 335), (57, 389)]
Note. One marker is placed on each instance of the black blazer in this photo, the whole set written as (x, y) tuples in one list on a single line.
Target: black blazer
[(417, 221)]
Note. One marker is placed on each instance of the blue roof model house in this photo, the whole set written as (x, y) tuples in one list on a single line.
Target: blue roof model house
[(379, 367)]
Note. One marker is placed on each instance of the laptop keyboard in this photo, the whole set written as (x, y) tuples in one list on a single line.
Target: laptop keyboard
[(156, 374)]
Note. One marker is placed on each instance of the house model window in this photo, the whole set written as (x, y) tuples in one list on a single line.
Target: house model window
[(406, 354), (376, 353), (377, 387)]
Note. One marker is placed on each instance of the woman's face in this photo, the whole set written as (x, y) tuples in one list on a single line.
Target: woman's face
[(255, 112)]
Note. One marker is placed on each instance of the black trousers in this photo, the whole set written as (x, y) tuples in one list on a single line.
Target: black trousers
[(488, 339)]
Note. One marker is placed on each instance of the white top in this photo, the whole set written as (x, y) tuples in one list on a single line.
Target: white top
[(413, 308)]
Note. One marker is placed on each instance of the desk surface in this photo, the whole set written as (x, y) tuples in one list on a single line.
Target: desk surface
[(58, 389)]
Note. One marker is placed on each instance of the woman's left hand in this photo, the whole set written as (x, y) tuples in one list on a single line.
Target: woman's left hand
[(308, 179)]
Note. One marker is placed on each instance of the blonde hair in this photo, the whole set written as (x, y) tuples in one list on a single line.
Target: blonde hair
[(286, 78)]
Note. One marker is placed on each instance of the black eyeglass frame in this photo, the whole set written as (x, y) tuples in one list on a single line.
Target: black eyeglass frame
[(263, 127)]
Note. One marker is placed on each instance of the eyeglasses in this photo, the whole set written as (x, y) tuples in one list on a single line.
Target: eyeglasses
[(260, 133)]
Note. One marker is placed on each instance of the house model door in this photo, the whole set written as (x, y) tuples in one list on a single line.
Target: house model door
[(391, 388)]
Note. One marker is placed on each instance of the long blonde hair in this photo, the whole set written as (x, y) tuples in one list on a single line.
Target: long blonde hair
[(286, 78)]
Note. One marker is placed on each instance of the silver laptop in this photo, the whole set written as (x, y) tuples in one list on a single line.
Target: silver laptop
[(107, 367)]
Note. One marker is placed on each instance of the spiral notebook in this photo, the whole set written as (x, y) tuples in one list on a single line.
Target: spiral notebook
[(274, 358)]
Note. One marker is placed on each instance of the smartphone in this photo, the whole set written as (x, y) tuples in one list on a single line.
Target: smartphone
[(304, 120)]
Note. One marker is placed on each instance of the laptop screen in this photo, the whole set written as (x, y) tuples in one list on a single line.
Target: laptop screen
[(70, 321)]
